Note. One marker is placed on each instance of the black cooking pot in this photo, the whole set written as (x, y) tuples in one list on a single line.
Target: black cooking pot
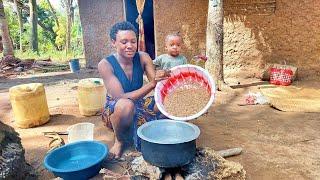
[(168, 143)]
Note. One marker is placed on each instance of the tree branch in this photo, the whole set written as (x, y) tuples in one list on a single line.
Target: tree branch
[(53, 13)]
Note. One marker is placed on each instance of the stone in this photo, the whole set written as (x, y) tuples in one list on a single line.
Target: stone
[(12, 161), (207, 164)]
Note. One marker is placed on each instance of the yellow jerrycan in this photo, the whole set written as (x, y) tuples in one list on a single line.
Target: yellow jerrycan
[(29, 105), (91, 96)]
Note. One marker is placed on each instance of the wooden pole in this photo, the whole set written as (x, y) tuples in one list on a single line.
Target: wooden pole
[(214, 41)]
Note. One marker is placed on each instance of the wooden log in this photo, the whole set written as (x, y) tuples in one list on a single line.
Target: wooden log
[(44, 63), (230, 152)]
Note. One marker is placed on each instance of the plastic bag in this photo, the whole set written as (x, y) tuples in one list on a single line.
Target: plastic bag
[(255, 98)]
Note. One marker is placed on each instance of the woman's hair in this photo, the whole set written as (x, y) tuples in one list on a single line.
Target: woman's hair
[(125, 25)]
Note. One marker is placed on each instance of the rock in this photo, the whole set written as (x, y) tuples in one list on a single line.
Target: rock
[(216, 166), (207, 164), (18, 69), (141, 167), (12, 160)]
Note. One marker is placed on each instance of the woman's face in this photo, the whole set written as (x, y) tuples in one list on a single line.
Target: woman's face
[(125, 43)]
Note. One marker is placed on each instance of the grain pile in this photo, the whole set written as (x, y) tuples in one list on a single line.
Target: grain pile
[(186, 100)]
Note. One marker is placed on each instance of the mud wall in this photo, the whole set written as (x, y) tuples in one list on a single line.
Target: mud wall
[(290, 34), (97, 17), (187, 17)]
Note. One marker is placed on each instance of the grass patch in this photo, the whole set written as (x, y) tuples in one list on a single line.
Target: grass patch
[(55, 56)]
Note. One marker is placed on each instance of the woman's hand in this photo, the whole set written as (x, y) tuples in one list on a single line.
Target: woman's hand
[(161, 75)]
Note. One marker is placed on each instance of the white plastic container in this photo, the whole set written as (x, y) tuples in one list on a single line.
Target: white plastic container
[(80, 132)]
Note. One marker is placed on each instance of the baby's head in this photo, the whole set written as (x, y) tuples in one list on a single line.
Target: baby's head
[(173, 44)]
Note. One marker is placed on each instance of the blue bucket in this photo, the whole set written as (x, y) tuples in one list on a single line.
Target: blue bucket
[(74, 65)]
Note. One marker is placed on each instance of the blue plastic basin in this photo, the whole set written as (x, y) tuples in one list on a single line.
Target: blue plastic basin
[(78, 160)]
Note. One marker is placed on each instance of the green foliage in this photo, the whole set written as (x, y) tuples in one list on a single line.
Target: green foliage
[(58, 56), (76, 34), (13, 25), (50, 45), (45, 16), (61, 33)]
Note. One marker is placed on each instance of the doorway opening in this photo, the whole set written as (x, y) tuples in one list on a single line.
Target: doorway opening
[(147, 16)]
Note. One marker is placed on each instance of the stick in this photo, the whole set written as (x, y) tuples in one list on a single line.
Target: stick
[(54, 132), (230, 152)]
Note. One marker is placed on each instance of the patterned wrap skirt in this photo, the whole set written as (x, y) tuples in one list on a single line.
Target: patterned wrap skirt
[(144, 112)]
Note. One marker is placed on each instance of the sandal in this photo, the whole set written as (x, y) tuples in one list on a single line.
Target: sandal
[(56, 141)]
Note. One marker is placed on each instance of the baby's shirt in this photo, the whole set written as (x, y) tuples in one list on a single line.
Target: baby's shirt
[(166, 61)]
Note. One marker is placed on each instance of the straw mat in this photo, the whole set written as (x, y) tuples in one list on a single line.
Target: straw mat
[(294, 99)]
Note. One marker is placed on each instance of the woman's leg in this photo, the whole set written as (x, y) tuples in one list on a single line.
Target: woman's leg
[(121, 120)]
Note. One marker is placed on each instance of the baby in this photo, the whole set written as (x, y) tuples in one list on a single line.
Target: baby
[(172, 57)]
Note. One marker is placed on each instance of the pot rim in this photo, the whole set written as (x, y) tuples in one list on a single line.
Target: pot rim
[(145, 125)]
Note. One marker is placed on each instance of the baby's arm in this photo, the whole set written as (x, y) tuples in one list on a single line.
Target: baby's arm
[(157, 62)]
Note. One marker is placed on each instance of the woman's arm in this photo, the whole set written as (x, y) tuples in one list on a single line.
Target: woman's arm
[(111, 82), (152, 74)]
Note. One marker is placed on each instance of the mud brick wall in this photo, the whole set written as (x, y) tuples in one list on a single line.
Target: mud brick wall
[(291, 33), (187, 17), (97, 17)]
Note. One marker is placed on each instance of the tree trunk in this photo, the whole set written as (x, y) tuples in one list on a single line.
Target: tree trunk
[(6, 41), (19, 11), (214, 41), (69, 22), (26, 9), (34, 23)]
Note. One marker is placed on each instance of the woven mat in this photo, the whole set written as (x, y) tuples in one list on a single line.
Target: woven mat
[(291, 98)]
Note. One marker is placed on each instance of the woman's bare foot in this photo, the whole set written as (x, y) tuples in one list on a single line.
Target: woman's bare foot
[(116, 150), (167, 176), (178, 176)]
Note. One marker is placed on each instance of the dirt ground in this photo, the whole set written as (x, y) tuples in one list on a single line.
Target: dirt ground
[(276, 144)]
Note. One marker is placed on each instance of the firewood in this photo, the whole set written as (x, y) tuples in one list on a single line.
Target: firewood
[(47, 60), (44, 63), (24, 64), (230, 152)]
